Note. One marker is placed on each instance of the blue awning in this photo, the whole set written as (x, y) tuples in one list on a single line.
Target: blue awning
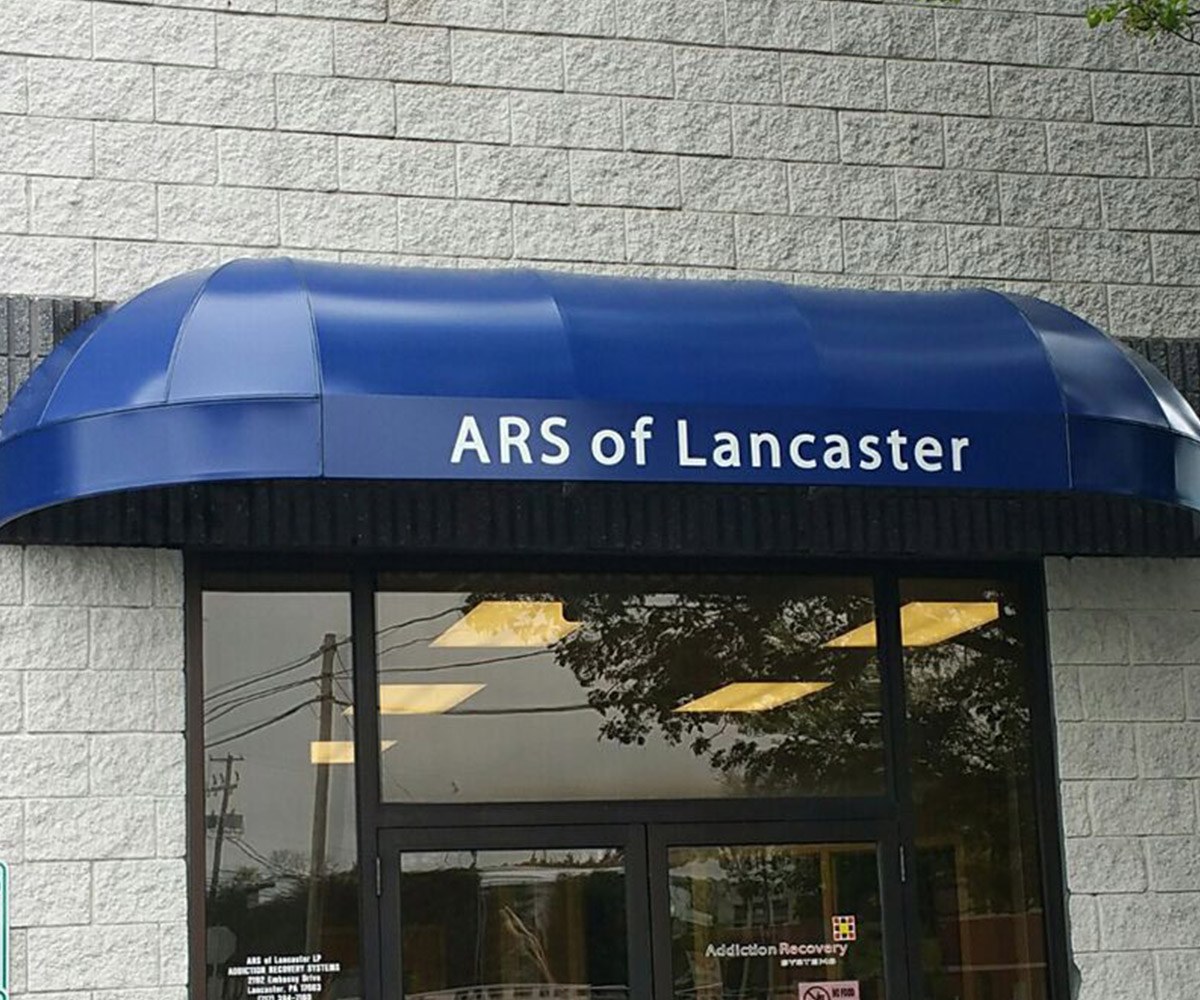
[(285, 369)]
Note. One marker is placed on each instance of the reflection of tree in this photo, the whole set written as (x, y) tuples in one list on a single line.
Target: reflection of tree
[(639, 657)]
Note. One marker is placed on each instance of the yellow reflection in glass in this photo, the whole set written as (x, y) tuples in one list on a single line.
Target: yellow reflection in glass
[(925, 623), (423, 699), (753, 696), (509, 624), (338, 751)]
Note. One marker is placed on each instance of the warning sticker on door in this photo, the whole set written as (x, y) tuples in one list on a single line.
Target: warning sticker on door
[(845, 990)]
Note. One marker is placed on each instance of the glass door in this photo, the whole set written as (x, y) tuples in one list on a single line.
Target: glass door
[(775, 912), (515, 914)]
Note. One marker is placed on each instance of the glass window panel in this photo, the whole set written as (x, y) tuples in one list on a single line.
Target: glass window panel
[(281, 863), (514, 924), (977, 865), (520, 689), (776, 922)]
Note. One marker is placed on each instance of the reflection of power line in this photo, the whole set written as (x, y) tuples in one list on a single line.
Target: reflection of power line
[(530, 710), (263, 725), (314, 655), (214, 712), (508, 658)]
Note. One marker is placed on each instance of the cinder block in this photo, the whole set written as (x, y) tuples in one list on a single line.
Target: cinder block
[(86, 958), (1143, 98), (136, 764), (1104, 150), (941, 87), (514, 173), (1046, 93), (392, 52), (718, 185), (998, 252), (136, 639), (1096, 750), (278, 159), (338, 105), (43, 765), (69, 701), (455, 227), (49, 894), (996, 144), (79, 207), (138, 891), (843, 191), (625, 179), (457, 113), (489, 59), (84, 89), (636, 69), (673, 20), (153, 34), (275, 45), (72, 829), (662, 237), (572, 121), (47, 265), (1050, 202), (395, 166), (545, 232), (1141, 807), (834, 81), (779, 133), (784, 24), (214, 97), (653, 126), (338, 221), (894, 247), (237, 216), (924, 195), (736, 75), (885, 138), (1105, 864), (789, 243), (882, 30), (174, 153), (981, 36), (570, 17), (46, 28), (1151, 204)]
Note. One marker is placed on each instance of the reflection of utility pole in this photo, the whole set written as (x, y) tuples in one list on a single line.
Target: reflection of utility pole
[(316, 867), (225, 788)]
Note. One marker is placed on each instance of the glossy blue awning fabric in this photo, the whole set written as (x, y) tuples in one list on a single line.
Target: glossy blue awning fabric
[(269, 369)]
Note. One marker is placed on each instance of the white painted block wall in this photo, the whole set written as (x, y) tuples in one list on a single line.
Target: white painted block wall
[(858, 142), (1125, 647), (92, 813)]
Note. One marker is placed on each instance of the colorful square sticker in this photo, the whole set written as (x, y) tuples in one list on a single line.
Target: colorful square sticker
[(845, 928)]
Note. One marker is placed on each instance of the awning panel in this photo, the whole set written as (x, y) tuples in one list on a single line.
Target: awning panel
[(289, 369)]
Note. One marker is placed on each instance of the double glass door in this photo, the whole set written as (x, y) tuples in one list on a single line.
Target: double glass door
[(756, 911)]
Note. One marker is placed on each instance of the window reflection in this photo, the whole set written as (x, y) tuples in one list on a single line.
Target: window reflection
[(977, 869), (281, 871), (576, 688), (775, 922), (514, 925)]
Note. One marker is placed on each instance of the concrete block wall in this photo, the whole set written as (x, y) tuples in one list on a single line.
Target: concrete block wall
[(877, 144), (92, 809), (1125, 649)]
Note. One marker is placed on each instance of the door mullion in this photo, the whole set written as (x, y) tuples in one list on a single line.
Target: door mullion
[(903, 940)]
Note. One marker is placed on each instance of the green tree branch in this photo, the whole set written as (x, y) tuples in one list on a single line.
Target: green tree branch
[(1149, 18)]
